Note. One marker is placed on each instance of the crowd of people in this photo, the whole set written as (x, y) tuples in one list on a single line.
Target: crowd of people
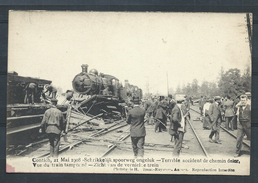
[(235, 114), (157, 111), (216, 111)]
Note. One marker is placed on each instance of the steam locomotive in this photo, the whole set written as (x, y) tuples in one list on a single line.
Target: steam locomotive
[(93, 83)]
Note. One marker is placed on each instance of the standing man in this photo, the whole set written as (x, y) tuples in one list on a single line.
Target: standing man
[(177, 128), (244, 123), (161, 118), (229, 113), (206, 118), (201, 105), (215, 117), (53, 124), (135, 118), (149, 107), (191, 100), (30, 92)]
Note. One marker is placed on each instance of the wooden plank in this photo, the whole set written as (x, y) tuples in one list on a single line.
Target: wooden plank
[(22, 128)]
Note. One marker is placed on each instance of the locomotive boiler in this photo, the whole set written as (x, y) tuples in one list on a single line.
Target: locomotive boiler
[(93, 83)]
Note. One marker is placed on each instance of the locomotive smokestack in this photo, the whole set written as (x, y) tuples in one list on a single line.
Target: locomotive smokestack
[(84, 68)]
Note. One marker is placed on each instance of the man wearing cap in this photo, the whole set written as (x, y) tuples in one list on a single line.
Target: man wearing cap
[(161, 117), (53, 123), (135, 118), (215, 116), (52, 90), (244, 123)]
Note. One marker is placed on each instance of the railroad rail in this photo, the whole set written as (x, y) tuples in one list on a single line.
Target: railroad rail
[(198, 139), (230, 133), (118, 125)]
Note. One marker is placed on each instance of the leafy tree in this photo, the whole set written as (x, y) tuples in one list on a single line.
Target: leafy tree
[(204, 89), (230, 83), (195, 87), (246, 80)]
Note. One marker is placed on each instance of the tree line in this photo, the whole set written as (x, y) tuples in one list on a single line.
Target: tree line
[(230, 83)]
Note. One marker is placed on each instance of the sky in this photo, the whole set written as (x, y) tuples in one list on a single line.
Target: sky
[(141, 47)]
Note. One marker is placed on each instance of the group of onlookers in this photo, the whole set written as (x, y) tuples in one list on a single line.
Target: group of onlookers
[(160, 110), (235, 113)]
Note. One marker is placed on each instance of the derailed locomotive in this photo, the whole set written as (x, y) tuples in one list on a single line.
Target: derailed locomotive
[(92, 83), (98, 94)]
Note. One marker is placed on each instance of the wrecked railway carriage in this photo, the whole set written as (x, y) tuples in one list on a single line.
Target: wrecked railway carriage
[(94, 95)]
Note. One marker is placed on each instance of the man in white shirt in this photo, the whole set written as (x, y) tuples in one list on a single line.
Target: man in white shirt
[(206, 118)]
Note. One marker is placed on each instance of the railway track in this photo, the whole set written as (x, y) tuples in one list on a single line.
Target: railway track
[(86, 139), (230, 133), (198, 139), (113, 141), (227, 145)]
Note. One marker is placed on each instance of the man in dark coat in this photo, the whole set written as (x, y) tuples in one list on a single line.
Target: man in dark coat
[(161, 118), (215, 117), (244, 123), (135, 118), (53, 124), (177, 127)]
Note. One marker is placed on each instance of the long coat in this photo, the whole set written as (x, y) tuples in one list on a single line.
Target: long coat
[(177, 123), (161, 115), (135, 117)]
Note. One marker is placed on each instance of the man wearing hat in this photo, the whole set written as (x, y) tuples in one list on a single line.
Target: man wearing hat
[(161, 117), (52, 90), (53, 123), (244, 122), (215, 117), (135, 118)]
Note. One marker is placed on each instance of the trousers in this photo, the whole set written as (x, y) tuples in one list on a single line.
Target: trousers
[(229, 122), (29, 95), (178, 143), (206, 122), (215, 130), (54, 140), (241, 131), (159, 125), (138, 143)]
